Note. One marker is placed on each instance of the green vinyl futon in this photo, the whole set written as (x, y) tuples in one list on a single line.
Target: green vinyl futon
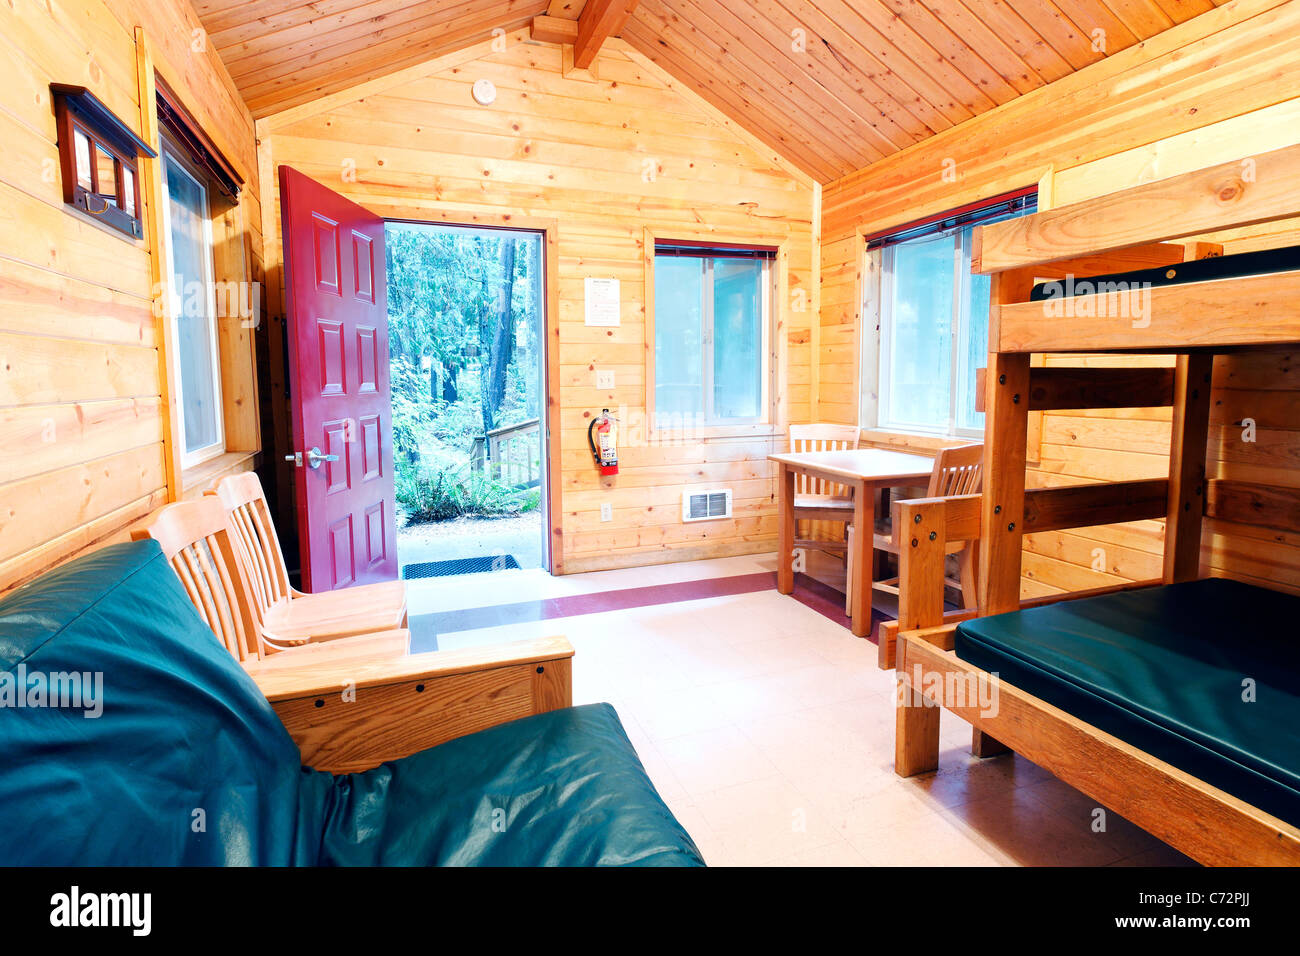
[(130, 736), (1204, 675)]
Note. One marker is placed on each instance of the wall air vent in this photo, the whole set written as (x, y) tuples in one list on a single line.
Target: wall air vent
[(706, 505)]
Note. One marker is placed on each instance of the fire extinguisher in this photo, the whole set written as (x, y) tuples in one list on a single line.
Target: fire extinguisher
[(604, 449)]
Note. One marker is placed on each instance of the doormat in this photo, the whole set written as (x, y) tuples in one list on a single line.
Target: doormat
[(443, 569)]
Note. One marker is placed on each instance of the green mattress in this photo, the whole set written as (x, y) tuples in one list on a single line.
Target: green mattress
[(1204, 675)]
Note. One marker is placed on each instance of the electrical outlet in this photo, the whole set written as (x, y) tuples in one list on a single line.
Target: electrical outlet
[(607, 512), (605, 378)]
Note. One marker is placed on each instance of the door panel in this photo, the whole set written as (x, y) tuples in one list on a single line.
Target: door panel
[(336, 308)]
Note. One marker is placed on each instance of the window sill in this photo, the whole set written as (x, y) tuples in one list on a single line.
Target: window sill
[(924, 442), (756, 430), (199, 478), (102, 226)]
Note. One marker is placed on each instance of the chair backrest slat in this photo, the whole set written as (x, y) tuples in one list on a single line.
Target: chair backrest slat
[(258, 515), (821, 437), (218, 578), (254, 533), (182, 568), (202, 577), (260, 575), (196, 540), (957, 471)]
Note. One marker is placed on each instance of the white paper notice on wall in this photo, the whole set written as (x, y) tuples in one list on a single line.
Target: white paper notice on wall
[(603, 301)]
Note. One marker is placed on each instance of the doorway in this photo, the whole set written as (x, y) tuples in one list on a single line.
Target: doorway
[(466, 321)]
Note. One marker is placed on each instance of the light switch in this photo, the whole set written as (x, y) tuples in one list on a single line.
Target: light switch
[(607, 512), (605, 378)]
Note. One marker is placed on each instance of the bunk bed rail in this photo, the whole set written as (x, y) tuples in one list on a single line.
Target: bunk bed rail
[(1246, 192), (1128, 232)]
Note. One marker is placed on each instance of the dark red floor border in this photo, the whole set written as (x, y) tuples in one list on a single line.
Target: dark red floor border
[(810, 592)]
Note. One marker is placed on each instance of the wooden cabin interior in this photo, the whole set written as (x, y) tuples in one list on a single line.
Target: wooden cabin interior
[(915, 399)]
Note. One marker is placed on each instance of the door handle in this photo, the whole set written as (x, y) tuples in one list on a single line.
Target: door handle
[(314, 458)]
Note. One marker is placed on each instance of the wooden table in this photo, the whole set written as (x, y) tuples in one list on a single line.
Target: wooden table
[(863, 471)]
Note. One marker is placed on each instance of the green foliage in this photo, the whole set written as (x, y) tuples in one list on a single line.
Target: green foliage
[(451, 336), (444, 493), (427, 497)]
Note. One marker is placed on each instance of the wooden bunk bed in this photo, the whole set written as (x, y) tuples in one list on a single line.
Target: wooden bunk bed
[(1121, 692)]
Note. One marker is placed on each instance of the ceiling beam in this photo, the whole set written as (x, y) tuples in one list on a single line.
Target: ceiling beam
[(548, 29), (600, 20)]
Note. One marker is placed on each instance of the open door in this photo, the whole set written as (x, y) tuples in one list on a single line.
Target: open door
[(337, 325)]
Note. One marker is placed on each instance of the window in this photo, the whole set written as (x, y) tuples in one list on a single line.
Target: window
[(934, 321), (712, 334), (191, 303), (200, 191), (98, 155)]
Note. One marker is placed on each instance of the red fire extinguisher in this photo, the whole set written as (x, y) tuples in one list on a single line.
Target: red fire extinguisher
[(604, 448)]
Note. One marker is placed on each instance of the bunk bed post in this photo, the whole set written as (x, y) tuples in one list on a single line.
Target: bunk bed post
[(916, 731), (1006, 436), (921, 557), (922, 539), (916, 724), (1006, 431), (983, 745), (1187, 451), (1187, 448)]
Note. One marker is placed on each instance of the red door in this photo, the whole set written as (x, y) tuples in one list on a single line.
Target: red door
[(337, 310)]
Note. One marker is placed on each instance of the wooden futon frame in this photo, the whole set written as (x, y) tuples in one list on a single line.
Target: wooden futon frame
[(1129, 230)]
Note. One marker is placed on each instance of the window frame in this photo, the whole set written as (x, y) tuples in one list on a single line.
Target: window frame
[(79, 113), (874, 308), (773, 279), (960, 320), (173, 153)]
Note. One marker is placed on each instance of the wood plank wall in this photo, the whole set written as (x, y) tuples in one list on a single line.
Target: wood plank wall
[(1222, 81), (81, 409), (600, 161)]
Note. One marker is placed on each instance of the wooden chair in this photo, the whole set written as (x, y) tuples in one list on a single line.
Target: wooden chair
[(957, 471), (195, 538), (286, 615), (817, 500)]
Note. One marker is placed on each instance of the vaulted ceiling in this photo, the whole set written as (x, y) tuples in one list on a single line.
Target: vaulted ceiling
[(832, 84), (873, 76)]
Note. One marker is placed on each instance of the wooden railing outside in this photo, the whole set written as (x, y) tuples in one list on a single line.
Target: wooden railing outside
[(511, 455)]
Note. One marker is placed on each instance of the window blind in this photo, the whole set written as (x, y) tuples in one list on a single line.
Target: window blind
[(1016, 203), (700, 251), (187, 133)]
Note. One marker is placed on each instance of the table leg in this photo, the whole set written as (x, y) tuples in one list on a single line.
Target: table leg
[(864, 524), (785, 518), (882, 508)]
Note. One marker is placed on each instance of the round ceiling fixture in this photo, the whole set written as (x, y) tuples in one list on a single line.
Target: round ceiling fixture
[(485, 92)]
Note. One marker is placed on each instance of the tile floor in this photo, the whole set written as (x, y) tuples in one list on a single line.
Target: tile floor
[(769, 731)]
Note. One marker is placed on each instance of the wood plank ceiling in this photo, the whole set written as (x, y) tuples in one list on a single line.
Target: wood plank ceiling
[(284, 52), (834, 85)]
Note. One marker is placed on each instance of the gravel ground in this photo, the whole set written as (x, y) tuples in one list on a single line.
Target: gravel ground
[(524, 524), (473, 538)]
